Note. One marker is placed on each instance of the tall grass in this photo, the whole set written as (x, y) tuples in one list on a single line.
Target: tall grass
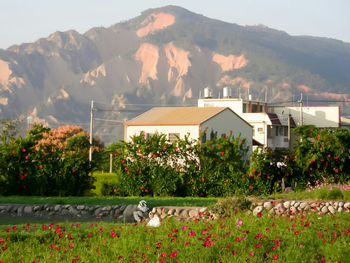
[(239, 238)]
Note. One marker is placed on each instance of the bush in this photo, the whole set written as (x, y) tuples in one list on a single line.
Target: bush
[(230, 206), (47, 163), (335, 194), (154, 166), (105, 183)]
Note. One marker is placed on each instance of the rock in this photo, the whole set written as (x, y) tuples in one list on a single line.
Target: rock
[(341, 204), (36, 208), (20, 210), (163, 215), (154, 210), (154, 222), (193, 213), (340, 209), (286, 204), (296, 204), (257, 210), (171, 211), (331, 209), (73, 211), (335, 205), (303, 205), (128, 213), (28, 210), (84, 212), (57, 208), (203, 210), (324, 210), (159, 210), (347, 205), (81, 207), (292, 203), (184, 213), (267, 205), (107, 208), (327, 204)]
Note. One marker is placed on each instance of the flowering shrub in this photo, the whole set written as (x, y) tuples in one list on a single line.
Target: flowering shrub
[(154, 166), (42, 164), (221, 166), (323, 155)]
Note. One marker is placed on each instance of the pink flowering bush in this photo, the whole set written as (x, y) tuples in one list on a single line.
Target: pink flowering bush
[(46, 162)]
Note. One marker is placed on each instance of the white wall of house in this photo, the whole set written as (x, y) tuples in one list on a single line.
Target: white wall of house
[(320, 116), (234, 104), (182, 130), (227, 121)]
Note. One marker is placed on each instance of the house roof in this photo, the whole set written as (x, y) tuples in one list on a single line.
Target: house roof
[(274, 119), (177, 116)]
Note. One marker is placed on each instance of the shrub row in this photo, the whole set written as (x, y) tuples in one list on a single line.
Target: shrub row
[(46, 162)]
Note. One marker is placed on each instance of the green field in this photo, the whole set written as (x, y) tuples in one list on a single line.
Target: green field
[(239, 238)]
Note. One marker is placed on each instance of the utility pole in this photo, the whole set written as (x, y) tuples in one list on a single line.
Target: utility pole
[(289, 132), (91, 128), (301, 109), (110, 163)]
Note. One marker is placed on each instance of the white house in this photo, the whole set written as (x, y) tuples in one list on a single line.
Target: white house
[(180, 121), (320, 116), (269, 129)]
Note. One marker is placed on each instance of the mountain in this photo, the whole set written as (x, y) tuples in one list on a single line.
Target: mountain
[(165, 56)]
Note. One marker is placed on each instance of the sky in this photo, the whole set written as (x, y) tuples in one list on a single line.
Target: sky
[(28, 20)]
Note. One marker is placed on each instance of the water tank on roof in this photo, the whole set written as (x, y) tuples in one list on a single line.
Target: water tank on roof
[(208, 93), (226, 92)]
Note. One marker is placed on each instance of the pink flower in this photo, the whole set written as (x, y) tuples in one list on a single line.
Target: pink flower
[(251, 254), (275, 257), (239, 222)]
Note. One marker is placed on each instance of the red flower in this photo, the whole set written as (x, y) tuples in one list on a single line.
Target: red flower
[(202, 179), (250, 187), (275, 257), (115, 190)]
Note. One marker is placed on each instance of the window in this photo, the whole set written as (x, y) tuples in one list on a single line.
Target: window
[(260, 130), (254, 108), (204, 137), (276, 128), (269, 132), (244, 107), (174, 137), (261, 108), (285, 131)]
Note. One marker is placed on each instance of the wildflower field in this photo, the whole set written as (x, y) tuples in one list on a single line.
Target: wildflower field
[(238, 238)]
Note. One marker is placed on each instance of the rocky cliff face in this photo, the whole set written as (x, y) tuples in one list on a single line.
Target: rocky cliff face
[(164, 56)]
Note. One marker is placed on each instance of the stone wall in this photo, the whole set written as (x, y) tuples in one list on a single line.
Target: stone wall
[(124, 212)]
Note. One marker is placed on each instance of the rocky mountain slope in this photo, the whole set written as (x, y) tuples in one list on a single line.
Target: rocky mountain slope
[(165, 56)]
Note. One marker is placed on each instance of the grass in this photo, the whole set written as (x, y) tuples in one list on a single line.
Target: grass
[(151, 201), (102, 178), (317, 194), (239, 238)]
